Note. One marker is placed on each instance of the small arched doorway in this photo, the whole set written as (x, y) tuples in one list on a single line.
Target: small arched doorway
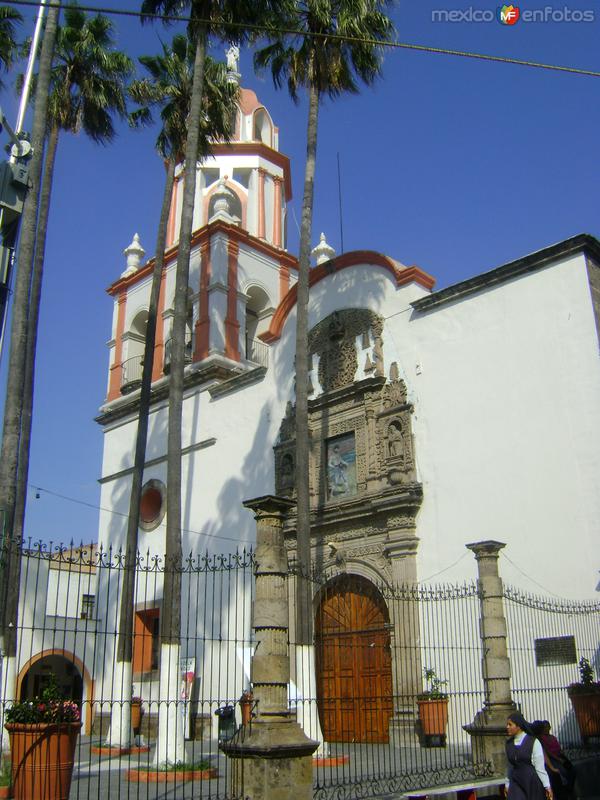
[(68, 678), (354, 667)]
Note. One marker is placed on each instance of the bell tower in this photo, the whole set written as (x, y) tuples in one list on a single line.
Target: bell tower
[(239, 266)]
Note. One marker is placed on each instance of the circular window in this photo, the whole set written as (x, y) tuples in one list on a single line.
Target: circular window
[(152, 505)]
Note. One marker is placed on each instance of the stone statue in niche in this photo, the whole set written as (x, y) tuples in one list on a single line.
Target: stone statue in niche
[(395, 443), (287, 471)]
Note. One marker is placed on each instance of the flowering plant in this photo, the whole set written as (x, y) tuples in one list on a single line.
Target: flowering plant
[(50, 706)]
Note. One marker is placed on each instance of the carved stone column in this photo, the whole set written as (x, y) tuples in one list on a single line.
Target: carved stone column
[(401, 548), (272, 756), (488, 729)]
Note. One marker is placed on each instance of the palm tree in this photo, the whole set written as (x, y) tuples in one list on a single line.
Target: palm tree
[(11, 555), (223, 20), (87, 87), (169, 87), (336, 43), (9, 17)]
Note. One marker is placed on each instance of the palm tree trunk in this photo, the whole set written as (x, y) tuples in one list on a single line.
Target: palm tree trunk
[(119, 734), (169, 747), (304, 613), (9, 454), (35, 295)]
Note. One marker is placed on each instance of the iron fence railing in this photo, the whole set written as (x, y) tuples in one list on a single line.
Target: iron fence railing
[(546, 639), (187, 355), (357, 689), (373, 645), (257, 352), (131, 373)]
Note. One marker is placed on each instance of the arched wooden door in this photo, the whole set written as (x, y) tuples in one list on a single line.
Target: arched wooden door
[(354, 670)]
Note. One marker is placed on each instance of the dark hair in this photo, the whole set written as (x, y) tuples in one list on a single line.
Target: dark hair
[(520, 721), (539, 727)]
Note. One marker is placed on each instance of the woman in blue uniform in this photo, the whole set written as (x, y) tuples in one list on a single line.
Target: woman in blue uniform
[(527, 776)]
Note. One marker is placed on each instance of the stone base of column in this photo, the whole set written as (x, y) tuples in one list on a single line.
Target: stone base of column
[(488, 737), (271, 759), (403, 728)]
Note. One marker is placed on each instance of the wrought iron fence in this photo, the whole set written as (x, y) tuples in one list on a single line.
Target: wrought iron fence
[(374, 647), (547, 637), (377, 649), (68, 628)]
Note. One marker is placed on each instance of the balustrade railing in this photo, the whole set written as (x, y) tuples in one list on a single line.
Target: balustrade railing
[(131, 373), (187, 356), (257, 352)]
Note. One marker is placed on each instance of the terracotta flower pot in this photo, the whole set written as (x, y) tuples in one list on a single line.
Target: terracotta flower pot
[(434, 717), (587, 713), (136, 715), (246, 702), (42, 758)]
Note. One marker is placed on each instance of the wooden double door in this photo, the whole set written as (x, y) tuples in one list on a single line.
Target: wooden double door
[(354, 669)]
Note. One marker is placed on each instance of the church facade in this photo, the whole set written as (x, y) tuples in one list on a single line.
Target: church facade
[(436, 418)]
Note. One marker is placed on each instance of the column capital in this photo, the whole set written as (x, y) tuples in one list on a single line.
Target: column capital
[(269, 505), (486, 549)]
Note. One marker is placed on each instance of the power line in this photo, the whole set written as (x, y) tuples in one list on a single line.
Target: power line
[(126, 516), (529, 578), (294, 32)]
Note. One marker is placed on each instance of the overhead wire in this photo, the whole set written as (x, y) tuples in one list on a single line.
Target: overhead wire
[(295, 32), (126, 516), (529, 578), (264, 29)]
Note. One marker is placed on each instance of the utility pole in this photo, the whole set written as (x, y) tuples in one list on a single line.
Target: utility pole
[(11, 180), (14, 177)]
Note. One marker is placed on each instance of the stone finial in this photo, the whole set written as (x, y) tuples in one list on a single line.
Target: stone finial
[(323, 251), (233, 60), (135, 253), (222, 207)]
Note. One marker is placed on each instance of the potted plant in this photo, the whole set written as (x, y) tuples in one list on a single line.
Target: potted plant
[(585, 699), (433, 709), (246, 702), (43, 734), (136, 714)]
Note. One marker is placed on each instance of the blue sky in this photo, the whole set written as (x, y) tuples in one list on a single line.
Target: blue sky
[(449, 163)]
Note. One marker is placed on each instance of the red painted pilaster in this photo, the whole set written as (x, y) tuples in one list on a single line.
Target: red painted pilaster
[(116, 369), (232, 326), (284, 281), (277, 212), (172, 215), (261, 203), (159, 342), (203, 323)]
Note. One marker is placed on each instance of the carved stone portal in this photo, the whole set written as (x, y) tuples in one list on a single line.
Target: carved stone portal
[(364, 491), (363, 486)]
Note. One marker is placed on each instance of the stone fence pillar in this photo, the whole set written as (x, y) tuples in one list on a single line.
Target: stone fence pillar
[(488, 729), (272, 756)]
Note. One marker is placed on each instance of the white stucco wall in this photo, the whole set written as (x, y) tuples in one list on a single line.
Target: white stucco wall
[(506, 389)]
